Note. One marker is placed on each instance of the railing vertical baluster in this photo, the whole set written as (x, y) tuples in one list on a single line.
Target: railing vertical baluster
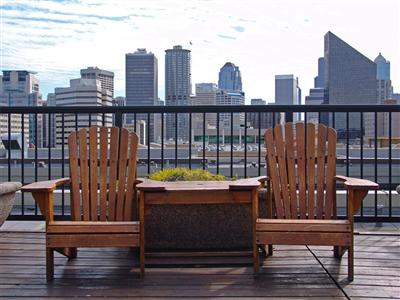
[(36, 158), (62, 164), (134, 122), (118, 119), (204, 140), (375, 160), (162, 141), (217, 143), (103, 119), (90, 120), (76, 122), (390, 164), (49, 148), (362, 155), (273, 119), (259, 143), (245, 145), (190, 140), (347, 144), (176, 140), (148, 143), (9, 146), (231, 125), (23, 161), (347, 150)]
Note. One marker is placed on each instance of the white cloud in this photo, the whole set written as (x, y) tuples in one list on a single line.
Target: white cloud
[(264, 38)]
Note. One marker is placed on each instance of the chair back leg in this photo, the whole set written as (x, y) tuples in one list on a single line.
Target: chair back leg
[(49, 264)]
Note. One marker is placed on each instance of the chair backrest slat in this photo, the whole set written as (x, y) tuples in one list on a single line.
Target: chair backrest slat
[(321, 149), (281, 154), (103, 172), (122, 160), (330, 205), (301, 168), (291, 158), (83, 161), (93, 172), (130, 209), (312, 154), (310, 169), (271, 159), (114, 145), (74, 176), (103, 177)]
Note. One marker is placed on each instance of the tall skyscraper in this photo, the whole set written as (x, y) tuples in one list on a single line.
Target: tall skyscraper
[(350, 78), (81, 92), (230, 78), (317, 94), (106, 77), (206, 94), (382, 68), (319, 81), (178, 88), (288, 92), (21, 88), (384, 91), (141, 85)]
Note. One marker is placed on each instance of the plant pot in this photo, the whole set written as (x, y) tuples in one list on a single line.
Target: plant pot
[(200, 226), (7, 198)]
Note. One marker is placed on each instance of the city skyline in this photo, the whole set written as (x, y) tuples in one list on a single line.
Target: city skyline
[(264, 39)]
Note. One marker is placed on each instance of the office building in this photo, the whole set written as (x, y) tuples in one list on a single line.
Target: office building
[(225, 97), (178, 88), (206, 94), (120, 102), (261, 120), (350, 78), (288, 92), (230, 78), (49, 126), (106, 77), (21, 88), (81, 92)]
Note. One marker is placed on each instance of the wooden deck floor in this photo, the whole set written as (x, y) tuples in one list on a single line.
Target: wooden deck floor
[(293, 272)]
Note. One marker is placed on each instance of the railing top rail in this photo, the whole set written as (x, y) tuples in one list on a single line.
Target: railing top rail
[(200, 109)]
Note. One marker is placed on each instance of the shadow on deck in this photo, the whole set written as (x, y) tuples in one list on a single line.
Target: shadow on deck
[(293, 272)]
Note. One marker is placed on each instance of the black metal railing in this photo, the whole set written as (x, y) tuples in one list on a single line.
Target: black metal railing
[(226, 140)]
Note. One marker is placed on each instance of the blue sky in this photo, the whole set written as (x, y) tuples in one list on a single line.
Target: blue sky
[(264, 38)]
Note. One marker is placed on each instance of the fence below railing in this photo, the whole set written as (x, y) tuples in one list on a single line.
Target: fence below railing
[(225, 140)]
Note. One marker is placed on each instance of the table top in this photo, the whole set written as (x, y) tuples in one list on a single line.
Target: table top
[(236, 185)]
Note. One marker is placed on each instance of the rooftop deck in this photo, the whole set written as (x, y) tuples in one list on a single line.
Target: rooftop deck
[(293, 272)]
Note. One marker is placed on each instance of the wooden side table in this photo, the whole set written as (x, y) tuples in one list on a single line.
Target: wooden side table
[(242, 191)]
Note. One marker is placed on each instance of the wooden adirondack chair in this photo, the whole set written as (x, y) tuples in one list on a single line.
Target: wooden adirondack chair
[(102, 212), (301, 173)]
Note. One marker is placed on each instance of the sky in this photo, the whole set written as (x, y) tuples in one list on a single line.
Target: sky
[(57, 38)]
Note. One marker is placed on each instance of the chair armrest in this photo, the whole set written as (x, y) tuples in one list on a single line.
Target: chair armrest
[(356, 183), (42, 192), (44, 186)]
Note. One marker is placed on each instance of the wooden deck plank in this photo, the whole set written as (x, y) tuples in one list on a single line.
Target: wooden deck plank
[(292, 272)]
